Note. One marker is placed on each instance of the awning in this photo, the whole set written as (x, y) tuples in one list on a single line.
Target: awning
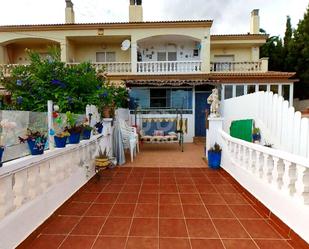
[(171, 82)]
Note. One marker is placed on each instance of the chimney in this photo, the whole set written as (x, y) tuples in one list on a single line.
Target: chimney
[(135, 11), (69, 12), (255, 22)]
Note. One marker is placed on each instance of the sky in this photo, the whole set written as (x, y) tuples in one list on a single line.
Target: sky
[(230, 16)]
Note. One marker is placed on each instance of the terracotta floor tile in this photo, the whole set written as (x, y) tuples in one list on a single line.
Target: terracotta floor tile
[(142, 243), (78, 242), (127, 198), (61, 225), (187, 188), (245, 211), (217, 180), (116, 226), (144, 227), (150, 188), (107, 198), (206, 188), (191, 199), (47, 242), (168, 180), (195, 211), (113, 188), (230, 228), (171, 243), (171, 211), (74, 208), (122, 210), (85, 197), (226, 188), (260, 229), (234, 199), (273, 244), (89, 226), (151, 180), (131, 188), (240, 244), (201, 228), (172, 228), (213, 199), (148, 198), (219, 211), (184, 180), (147, 210), (206, 244), (134, 180), (98, 209), (110, 243), (200, 180), (169, 199), (168, 188)]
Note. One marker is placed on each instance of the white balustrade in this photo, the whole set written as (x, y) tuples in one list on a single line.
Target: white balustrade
[(25, 181), (164, 67), (110, 67), (281, 170), (244, 66)]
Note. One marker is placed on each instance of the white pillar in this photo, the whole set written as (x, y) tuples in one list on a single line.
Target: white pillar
[(64, 51), (213, 135), (50, 124), (134, 56), (205, 53), (2, 55)]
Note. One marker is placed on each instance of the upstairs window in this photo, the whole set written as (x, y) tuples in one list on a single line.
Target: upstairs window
[(105, 57)]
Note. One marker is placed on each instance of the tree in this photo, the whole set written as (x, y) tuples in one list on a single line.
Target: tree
[(298, 56), (288, 32), (273, 49), (72, 88)]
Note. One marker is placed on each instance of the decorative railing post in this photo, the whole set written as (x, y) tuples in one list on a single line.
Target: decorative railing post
[(302, 184), (289, 177)]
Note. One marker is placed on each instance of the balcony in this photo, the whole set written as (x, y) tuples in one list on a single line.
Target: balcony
[(169, 67), (110, 67), (240, 66)]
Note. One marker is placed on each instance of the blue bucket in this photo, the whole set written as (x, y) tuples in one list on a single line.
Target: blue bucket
[(34, 149), (74, 138), (60, 142), (1, 154), (214, 159), (86, 134)]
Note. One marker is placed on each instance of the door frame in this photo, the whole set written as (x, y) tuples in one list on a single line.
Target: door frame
[(194, 109)]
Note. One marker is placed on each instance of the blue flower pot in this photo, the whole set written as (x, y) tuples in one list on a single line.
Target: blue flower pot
[(60, 142), (256, 137), (34, 148), (214, 159), (74, 138), (100, 129), (86, 134), (1, 154)]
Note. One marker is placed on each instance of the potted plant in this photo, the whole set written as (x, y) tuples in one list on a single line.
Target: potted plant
[(99, 127), (36, 141), (61, 139), (256, 135), (74, 129), (87, 129), (214, 156)]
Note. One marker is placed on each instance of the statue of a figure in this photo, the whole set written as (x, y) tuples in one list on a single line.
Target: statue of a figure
[(69, 3), (214, 102)]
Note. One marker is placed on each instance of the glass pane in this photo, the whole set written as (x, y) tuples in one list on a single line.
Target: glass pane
[(228, 92), (286, 92), (251, 89), (161, 56), (141, 96), (158, 98), (172, 56), (274, 88), (100, 57), (263, 88), (240, 90), (182, 98)]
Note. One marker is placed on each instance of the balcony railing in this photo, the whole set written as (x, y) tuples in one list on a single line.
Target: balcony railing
[(165, 67), (236, 66), (110, 67)]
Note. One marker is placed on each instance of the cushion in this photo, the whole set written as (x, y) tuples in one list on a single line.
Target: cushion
[(158, 133)]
